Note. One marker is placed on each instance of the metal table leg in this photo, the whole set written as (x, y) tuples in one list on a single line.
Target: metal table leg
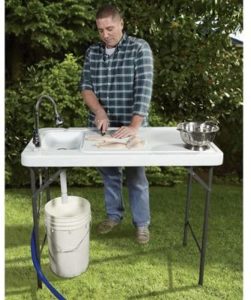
[(205, 227), (35, 213), (47, 176), (187, 206), (187, 224), (35, 207)]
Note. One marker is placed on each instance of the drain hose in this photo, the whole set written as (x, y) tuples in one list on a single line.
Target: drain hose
[(39, 271)]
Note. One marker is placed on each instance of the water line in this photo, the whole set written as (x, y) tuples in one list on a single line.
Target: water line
[(63, 184)]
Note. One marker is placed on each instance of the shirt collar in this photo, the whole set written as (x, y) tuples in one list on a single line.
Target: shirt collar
[(124, 37), (119, 45)]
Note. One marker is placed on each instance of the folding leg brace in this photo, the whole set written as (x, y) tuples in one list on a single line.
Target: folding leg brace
[(187, 224)]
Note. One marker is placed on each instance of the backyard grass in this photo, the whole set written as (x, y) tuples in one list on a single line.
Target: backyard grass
[(121, 269)]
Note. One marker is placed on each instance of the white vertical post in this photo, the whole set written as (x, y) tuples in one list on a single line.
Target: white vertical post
[(63, 184)]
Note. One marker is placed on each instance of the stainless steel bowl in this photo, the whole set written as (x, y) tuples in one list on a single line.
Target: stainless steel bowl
[(198, 135)]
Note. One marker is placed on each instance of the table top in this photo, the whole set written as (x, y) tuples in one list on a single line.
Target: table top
[(163, 147)]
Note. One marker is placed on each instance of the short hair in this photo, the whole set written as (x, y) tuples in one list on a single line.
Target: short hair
[(108, 10)]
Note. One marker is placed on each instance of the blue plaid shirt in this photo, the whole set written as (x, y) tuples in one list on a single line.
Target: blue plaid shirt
[(122, 81)]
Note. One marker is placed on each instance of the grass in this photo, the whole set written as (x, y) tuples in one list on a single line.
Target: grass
[(121, 269)]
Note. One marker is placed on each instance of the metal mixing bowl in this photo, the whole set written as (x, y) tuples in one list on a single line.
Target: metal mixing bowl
[(198, 135)]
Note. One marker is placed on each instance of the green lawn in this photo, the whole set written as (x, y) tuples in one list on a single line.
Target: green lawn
[(121, 269)]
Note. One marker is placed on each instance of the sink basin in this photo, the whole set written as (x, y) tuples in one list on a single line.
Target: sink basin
[(62, 140), (59, 146)]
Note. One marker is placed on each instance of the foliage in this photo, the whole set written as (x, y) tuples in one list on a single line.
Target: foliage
[(53, 25), (198, 72), (165, 176), (57, 79)]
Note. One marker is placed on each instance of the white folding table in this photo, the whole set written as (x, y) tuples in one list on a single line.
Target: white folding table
[(163, 147)]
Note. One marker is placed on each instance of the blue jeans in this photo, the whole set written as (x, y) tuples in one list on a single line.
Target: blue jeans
[(138, 190)]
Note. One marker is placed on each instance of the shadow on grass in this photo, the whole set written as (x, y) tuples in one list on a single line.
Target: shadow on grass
[(17, 291), (164, 256), (21, 280), (19, 235), (26, 276), (164, 292)]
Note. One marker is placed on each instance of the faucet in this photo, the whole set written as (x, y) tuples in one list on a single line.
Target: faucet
[(58, 118)]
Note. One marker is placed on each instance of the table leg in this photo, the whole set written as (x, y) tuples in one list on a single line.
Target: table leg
[(187, 206), (35, 207), (47, 176), (35, 218), (205, 226), (208, 188)]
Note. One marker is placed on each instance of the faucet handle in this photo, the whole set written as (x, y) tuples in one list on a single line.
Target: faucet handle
[(36, 138), (59, 120)]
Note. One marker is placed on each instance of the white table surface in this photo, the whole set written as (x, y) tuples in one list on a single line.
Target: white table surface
[(163, 147)]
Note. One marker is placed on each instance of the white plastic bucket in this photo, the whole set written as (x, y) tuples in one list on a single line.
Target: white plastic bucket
[(68, 231)]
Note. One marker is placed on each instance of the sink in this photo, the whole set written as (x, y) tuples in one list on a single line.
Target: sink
[(62, 140), (59, 147)]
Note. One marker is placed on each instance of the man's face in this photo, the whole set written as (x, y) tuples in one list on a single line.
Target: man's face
[(110, 30)]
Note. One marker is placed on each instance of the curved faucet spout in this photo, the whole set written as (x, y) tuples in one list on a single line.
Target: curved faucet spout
[(58, 118)]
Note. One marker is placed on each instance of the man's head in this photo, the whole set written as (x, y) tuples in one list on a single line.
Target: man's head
[(110, 25)]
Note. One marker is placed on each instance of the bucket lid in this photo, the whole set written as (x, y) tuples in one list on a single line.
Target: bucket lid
[(73, 207)]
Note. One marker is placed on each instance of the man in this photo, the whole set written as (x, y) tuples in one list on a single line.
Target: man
[(116, 85)]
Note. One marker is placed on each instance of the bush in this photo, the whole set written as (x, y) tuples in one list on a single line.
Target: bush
[(60, 81), (198, 72)]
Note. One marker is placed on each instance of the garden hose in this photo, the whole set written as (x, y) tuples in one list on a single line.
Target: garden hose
[(38, 268)]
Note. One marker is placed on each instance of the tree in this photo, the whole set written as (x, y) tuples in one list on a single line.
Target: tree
[(198, 72), (38, 29)]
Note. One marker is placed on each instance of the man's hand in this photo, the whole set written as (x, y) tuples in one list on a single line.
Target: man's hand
[(130, 130), (125, 131), (101, 120)]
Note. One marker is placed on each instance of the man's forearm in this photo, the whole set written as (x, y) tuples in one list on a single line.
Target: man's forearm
[(101, 120), (91, 101), (136, 121)]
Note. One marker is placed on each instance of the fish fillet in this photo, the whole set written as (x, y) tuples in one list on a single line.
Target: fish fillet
[(108, 142), (113, 145), (134, 142)]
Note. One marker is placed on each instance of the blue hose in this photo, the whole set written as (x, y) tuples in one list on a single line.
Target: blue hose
[(38, 268)]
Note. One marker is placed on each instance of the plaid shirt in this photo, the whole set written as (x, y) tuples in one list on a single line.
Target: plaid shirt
[(122, 81)]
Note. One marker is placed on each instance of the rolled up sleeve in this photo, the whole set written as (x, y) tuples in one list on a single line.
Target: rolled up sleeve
[(143, 80), (85, 81)]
